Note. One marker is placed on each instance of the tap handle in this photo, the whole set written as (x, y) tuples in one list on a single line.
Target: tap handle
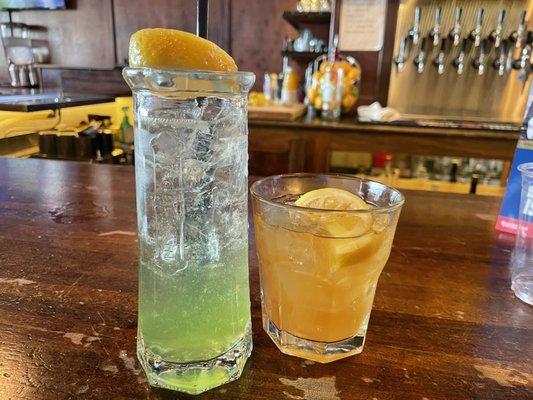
[(501, 18), (479, 19), (524, 58), (484, 46), (519, 34), (401, 57), (463, 45), (500, 63), (458, 15), (403, 45), (438, 15), (443, 45), (523, 18), (504, 48), (423, 44), (418, 15)]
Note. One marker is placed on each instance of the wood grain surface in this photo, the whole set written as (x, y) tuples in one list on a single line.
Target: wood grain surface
[(320, 138), (445, 323)]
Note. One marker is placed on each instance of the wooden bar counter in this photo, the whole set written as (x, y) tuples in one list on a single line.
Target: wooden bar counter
[(445, 323), (309, 142)]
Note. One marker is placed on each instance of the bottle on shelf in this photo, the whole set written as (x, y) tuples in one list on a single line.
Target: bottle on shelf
[(332, 90), (126, 129), (270, 87), (289, 89)]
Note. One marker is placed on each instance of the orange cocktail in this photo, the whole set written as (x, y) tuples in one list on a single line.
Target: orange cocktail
[(320, 258)]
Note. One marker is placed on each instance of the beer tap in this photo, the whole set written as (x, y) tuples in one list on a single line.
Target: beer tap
[(414, 32), (455, 32), (420, 59), (518, 36), (440, 60), (459, 62), (475, 35), (434, 34), (401, 58), (479, 62), (500, 62), (496, 34), (523, 64)]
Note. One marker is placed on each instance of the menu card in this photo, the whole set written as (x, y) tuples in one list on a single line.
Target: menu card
[(362, 25)]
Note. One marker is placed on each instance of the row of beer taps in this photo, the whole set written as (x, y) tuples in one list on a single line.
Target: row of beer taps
[(460, 43)]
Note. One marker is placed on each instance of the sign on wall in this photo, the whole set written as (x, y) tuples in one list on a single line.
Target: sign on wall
[(362, 25)]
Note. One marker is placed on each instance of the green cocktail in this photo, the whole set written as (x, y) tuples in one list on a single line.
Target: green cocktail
[(198, 314), (194, 330)]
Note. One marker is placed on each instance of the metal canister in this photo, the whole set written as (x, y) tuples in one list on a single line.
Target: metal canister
[(66, 144), (47, 144)]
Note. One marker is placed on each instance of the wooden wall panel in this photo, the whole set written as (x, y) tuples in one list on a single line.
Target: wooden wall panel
[(151, 14), (177, 14), (257, 31)]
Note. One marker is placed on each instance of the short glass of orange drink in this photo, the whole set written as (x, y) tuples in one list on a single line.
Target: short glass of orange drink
[(322, 242)]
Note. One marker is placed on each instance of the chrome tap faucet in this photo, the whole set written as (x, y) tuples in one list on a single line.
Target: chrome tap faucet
[(420, 59), (518, 36), (434, 34), (455, 32), (475, 35), (440, 60), (401, 58), (414, 32), (480, 61), (496, 34), (500, 62), (523, 64), (459, 62)]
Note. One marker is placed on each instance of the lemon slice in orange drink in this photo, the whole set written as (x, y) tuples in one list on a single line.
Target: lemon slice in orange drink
[(338, 224), (170, 48), (332, 199), (351, 240)]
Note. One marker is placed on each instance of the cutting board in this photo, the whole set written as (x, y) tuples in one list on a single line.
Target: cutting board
[(276, 112)]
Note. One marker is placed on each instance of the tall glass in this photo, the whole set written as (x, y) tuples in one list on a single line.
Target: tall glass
[(522, 263), (194, 330), (319, 268)]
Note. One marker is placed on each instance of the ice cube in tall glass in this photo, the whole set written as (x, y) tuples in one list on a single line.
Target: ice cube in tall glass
[(194, 330)]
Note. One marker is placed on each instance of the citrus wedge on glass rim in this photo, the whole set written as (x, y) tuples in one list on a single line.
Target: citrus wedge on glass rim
[(171, 48)]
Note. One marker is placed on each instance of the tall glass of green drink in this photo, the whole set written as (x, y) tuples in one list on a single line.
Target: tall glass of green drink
[(191, 155)]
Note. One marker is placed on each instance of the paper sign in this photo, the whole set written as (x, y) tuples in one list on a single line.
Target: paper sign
[(362, 25)]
